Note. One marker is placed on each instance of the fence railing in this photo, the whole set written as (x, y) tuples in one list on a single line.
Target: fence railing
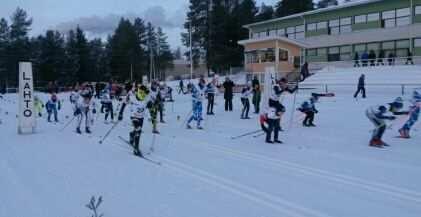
[(402, 88), (396, 61)]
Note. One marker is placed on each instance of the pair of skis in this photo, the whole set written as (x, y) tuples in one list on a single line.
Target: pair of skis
[(141, 156)]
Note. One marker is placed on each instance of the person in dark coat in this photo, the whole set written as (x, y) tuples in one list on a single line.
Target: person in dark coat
[(228, 93), (304, 71), (256, 94), (372, 58), (356, 60), (381, 57), (409, 58), (391, 59), (364, 59), (361, 86)]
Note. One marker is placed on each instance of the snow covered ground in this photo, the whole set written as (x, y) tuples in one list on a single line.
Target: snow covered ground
[(328, 171)]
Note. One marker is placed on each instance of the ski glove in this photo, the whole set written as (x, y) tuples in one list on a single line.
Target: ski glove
[(392, 118), (120, 117), (94, 111)]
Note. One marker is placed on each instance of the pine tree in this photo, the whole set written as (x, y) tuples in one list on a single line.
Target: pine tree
[(164, 58), (82, 48), (51, 55), (19, 48), (198, 17), (4, 43), (72, 57), (151, 38), (177, 53), (265, 13), (289, 7), (219, 37)]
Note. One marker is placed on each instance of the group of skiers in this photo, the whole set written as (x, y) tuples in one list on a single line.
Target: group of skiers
[(372, 59), (377, 115)]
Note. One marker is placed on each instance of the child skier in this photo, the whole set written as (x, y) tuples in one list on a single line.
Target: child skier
[(376, 115), (85, 107), (52, 106), (309, 109), (197, 98), (38, 104), (107, 104), (245, 94), (413, 113), (273, 119)]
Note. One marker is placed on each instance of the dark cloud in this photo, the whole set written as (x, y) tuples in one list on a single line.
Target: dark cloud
[(103, 25)]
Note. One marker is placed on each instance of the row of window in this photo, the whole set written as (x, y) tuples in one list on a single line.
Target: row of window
[(399, 48), (390, 19), (265, 56)]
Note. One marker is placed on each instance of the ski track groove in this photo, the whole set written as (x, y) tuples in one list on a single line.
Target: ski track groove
[(263, 198), (397, 192)]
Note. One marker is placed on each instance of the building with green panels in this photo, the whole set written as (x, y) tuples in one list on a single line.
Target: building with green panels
[(337, 33)]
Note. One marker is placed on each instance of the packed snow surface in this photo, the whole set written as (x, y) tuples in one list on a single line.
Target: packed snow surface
[(327, 171)]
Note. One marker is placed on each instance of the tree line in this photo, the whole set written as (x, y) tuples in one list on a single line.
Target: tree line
[(217, 25), (127, 53)]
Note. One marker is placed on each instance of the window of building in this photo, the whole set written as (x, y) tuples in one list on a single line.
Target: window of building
[(299, 28), (334, 23), (360, 48), (418, 10), (283, 55), (333, 50), (403, 12), (417, 42), (312, 52), (403, 21), (290, 30), (300, 35), (390, 45), (281, 32), (389, 23), (361, 19), (389, 14), (267, 55), (402, 44), (272, 32), (321, 25), (252, 57), (291, 36), (345, 53), (346, 21), (321, 51), (373, 17), (311, 27), (346, 29), (398, 17)]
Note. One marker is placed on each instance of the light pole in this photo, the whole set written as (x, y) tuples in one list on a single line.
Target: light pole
[(191, 50)]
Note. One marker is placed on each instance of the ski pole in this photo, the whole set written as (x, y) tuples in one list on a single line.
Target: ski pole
[(246, 134), (259, 135), (187, 118), (109, 132), (67, 124)]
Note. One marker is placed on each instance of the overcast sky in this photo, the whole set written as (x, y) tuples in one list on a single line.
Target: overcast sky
[(100, 17)]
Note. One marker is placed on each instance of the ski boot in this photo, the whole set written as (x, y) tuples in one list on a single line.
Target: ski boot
[(269, 142), (78, 131), (155, 132), (376, 143), (87, 130), (188, 126), (278, 141), (404, 134), (199, 127), (311, 125)]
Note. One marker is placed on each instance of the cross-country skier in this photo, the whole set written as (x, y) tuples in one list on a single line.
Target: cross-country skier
[(107, 104), (414, 113), (138, 107), (274, 115), (376, 114), (197, 98), (85, 107), (38, 105), (309, 109), (52, 106), (74, 96), (154, 108), (245, 95)]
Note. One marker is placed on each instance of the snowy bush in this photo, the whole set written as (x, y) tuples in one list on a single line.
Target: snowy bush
[(93, 205)]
